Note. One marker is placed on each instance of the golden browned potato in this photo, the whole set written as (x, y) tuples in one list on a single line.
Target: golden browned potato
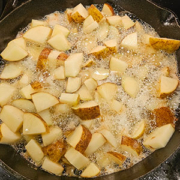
[(131, 145), (43, 59), (87, 110), (61, 58), (95, 13), (164, 116), (117, 157), (36, 85), (55, 151)]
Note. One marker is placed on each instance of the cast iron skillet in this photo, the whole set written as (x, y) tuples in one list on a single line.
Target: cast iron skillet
[(164, 22)]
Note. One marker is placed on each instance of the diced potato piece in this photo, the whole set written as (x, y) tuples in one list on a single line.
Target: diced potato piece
[(113, 32), (13, 52), (164, 116), (93, 26), (167, 85), (91, 171), (79, 13), (168, 45), (73, 64), (52, 167), (107, 90), (118, 65), (12, 117), (114, 20), (35, 151), (76, 158), (116, 106), (112, 45), (91, 84), (61, 108), (24, 105), (35, 23), (43, 100), (80, 138), (87, 123), (59, 42), (109, 137), (68, 13), (87, 110), (33, 124), (24, 80), (60, 29), (7, 91), (100, 74), (127, 22), (46, 116), (53, 135), (73, 84), (130, 86), (131, 146), (89, 20), (117, 157), (59, 73), (159, 137), (84, 94), (100, 51), (43, 59), (38, 34), (103, 30), (36, 85), (139, 129), (7, 136), (55, 151), (96, 142), (71, 99), (95, 13), (108, 10), (89, 63), (20, 42), (130, 41), (27, 91)]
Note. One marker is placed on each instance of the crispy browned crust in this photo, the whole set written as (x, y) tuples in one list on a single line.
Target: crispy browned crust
[(55, 151), (62, 57), (121, 157), (164, 116), (77, 17), (95, 13), (36, 85), (111, 8), (133, 143), (84, 141), (88, 113), (43, 59), (102, 54)]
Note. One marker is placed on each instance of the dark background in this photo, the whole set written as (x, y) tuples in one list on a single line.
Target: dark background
[(169, 170)]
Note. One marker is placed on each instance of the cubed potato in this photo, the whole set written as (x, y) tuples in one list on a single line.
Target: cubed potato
[(91, 171), (46, 116), (52, 167), (55, 151), (95, 13), (35, 151), (80, 138), (12, 117)]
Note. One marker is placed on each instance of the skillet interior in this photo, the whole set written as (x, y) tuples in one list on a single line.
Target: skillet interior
[(165, 24)]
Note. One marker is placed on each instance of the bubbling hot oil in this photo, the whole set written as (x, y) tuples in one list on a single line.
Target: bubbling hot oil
[(146, 68)]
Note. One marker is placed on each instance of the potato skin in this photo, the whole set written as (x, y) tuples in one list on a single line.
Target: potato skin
[(85, 139), (118, 155), (168, 45), (87, 113), (134, 144), (95, 13), (36, 85), (164, 116), (55, 151), (77, 17), (43, 59)]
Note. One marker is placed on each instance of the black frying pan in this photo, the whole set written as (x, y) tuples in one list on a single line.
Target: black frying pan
[(164, 22)]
